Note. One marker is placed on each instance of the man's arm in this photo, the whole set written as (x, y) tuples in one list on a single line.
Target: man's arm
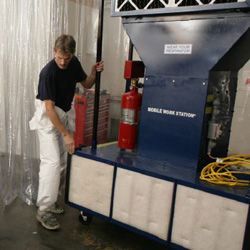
[(90, 80), (68, 138)]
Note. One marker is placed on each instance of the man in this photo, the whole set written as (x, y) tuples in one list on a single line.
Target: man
[(54, 123)]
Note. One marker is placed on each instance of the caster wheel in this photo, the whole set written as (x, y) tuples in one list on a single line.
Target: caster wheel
[(85, 218)]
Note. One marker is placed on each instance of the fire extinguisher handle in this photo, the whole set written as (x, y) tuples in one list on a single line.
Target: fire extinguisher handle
[(139, 85)]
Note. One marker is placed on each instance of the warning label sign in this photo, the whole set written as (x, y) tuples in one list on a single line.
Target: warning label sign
[(178, 49)]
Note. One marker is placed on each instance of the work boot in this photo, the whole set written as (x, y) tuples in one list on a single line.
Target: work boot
[(47, 220)]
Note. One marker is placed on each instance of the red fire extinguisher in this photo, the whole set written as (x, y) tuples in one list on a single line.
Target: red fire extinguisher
[(130, 106)]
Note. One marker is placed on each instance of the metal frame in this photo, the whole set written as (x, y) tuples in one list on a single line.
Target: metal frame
[(98, 74), (111, 155), (175, 10)]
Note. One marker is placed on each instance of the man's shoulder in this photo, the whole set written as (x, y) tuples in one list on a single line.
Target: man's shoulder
[(48, 69), (75, 60)]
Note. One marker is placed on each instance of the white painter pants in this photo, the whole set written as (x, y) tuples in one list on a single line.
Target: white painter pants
[(53, 154)]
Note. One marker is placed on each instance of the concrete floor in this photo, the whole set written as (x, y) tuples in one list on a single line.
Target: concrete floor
[(19, 230)]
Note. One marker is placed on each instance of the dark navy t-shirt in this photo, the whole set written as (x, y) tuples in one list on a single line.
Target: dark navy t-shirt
[(58, 85)]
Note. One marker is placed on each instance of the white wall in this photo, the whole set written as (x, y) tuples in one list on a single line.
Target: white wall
[(240, 133)]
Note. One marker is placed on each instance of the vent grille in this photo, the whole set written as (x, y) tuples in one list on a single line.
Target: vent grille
[(134, 5)]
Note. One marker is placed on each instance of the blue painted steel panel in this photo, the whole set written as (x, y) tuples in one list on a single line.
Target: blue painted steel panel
[(178, 82), (172, 132), (210, 37)]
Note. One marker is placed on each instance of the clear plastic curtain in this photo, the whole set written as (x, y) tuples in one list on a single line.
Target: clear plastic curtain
[(85, 31), (28, 29)]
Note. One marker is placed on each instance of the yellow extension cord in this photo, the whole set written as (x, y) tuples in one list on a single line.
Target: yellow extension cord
[(218, 172)]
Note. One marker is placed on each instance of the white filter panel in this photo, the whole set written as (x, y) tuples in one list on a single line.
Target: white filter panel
[(203, 221), (240, 133), (143, 202), (90, 184)]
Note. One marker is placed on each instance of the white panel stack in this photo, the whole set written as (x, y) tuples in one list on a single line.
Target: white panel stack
[(91, 184), (203, 221), (143, 202)]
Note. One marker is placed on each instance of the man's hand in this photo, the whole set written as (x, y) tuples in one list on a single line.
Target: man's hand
[(99, 67), (68, 139), (89, 82), (70, 144)]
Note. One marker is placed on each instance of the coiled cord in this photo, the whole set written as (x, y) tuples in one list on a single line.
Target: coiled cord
[(222, 170)]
